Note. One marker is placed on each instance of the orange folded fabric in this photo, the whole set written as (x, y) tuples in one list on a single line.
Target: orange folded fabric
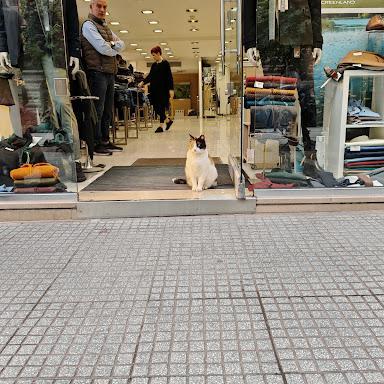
[(35, 171), (273, 79), (269, 91)]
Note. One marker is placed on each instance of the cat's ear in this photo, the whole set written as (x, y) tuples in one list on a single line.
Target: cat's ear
[(191, 137)]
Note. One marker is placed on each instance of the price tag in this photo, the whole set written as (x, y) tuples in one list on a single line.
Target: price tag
[(357, 53), (258, 84), (354, 148)]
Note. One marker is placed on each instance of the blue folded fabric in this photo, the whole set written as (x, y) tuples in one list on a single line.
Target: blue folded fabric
[(5, 189), (252, 103), (359, 155), (359, 159), (367, 149)]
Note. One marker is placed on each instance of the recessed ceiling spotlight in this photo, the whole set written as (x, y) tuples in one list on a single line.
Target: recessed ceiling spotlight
[(153, 22), (191, 10), (228, 29), (194, 48), (147, 11), (143, 53), (115, 23), (158, 30), (171, 56), (163, 43), (194, 29), (193, 21), (167, 49), (147, 57), (234, 9), (134, 44), (139, 49), (194, 42), (233, 21), (123, 31)]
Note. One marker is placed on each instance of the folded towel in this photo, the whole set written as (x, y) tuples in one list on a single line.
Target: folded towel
[(268, 85)]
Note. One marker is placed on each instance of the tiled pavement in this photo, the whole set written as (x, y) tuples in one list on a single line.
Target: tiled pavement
[(188, 300)]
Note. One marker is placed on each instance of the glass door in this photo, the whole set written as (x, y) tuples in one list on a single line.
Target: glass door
[(231, 67)]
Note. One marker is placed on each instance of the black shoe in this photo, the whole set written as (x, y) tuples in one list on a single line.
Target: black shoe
[(112, 147), (159, 130), (168, 125), (100, 150), (80, 177)]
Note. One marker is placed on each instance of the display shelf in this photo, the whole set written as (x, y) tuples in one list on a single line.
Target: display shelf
[(335, 115)]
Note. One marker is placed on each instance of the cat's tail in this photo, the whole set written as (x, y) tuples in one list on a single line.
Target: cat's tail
[(179, 181)]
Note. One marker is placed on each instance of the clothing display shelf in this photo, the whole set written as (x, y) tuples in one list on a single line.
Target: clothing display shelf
[(335, 115)]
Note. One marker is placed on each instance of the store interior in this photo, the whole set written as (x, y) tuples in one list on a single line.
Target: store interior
[(295, 128)]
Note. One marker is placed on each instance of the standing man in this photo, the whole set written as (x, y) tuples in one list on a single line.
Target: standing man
[(100, 47)]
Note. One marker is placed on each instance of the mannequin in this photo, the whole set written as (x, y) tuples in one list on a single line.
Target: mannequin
[(287, 41), (11, 53)]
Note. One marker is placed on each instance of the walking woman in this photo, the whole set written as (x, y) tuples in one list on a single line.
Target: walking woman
[(161, 87)]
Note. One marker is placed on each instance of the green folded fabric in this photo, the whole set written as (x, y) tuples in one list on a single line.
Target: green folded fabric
[(286, 175), (28, 183)]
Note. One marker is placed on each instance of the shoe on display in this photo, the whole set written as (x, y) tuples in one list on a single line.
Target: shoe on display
[(100, 150), (168, 124), (159, 130), (112, 147), (80, 177)]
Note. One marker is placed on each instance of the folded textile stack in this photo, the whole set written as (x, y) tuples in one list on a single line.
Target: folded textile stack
[(358, 113), (37, 178), (270, 90), (362, 154)]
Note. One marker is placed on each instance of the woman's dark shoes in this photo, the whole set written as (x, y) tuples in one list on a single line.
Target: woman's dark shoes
[(159, 130), (168, 124)]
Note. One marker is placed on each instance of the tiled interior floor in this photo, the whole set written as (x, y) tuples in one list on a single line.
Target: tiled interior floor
[(222, 136)]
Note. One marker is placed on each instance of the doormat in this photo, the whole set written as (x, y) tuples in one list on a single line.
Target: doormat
[(151, 178), (168, 161)]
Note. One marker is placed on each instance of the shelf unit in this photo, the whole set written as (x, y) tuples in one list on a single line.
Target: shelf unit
[(335, 115)]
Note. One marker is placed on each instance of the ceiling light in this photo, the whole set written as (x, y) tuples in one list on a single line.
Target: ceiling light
[(115, 23), (167, 49), (171, 56), (233, 21), (158, 30), (153, 22), (194, 42), (147, 57), (234, 9), (133, 44), (143, 53), (139, 49), (163, 43), (194, 29), (124, 31), (147, 11), (191, 10), (87, 0), (228, 29), (193, 21)]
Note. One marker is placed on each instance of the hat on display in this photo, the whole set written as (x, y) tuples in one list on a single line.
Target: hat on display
[(376, 23)]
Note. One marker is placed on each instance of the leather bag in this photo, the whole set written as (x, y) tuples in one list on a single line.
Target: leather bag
[(6, 97), (376, 23)]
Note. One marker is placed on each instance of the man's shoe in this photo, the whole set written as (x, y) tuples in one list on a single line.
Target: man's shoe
[(80, 177), (100, 150), (159, 130), (112, 147), (168, 124)]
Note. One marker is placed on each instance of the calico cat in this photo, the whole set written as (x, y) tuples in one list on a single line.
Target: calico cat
[(200, 170)]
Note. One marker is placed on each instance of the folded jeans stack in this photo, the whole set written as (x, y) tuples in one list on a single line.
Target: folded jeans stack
[(37, 178)]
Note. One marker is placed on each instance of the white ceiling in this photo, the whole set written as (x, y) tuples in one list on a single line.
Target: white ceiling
[(173, 20)]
